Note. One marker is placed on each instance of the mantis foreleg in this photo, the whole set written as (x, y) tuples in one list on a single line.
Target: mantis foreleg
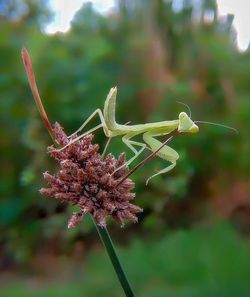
[(166, 152), (130, 143)]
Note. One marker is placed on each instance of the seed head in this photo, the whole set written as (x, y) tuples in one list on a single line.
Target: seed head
[(85, 179)]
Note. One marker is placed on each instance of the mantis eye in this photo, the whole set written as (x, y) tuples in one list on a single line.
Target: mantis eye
[(183, 115)]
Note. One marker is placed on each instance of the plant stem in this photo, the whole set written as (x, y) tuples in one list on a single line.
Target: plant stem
[(32, 81), (108, 244)]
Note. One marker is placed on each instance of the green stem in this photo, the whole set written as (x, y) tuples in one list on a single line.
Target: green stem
[(107, 242)]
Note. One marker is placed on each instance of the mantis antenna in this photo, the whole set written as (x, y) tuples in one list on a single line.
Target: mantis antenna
[(189, 110), (220, 125)]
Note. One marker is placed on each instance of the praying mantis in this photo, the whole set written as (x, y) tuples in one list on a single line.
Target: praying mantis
[(149, 131), (111, 128)]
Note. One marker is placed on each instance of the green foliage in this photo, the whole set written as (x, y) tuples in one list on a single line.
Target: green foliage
[(202, 262), (156, 56)]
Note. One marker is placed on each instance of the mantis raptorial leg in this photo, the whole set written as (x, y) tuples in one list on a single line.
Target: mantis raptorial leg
[(166, 152), (129, 143)]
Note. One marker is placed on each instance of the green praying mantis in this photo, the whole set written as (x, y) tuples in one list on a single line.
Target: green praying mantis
[(111, 128), (149, 131)]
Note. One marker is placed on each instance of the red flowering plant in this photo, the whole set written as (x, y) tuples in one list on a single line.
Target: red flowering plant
[(86, 179)]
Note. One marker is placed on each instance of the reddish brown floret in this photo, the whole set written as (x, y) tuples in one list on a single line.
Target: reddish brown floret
[(86, 179)]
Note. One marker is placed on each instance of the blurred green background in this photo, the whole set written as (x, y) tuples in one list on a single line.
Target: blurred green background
[(193, 237)]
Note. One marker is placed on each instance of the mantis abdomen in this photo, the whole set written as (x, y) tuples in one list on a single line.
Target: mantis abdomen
[(109, 110)]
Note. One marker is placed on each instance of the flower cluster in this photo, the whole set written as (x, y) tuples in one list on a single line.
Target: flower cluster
[(87, 180)]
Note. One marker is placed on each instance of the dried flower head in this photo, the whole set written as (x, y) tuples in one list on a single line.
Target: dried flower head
[(86, 179)]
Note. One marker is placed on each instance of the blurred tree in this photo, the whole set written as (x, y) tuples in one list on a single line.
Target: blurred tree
[(156, 55), (29, 11)]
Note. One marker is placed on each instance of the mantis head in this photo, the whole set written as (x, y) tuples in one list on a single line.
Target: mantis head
[(186, 124)]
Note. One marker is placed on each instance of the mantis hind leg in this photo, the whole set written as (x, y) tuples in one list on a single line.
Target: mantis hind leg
[(166, 152), (99, 112), (103, 125)]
